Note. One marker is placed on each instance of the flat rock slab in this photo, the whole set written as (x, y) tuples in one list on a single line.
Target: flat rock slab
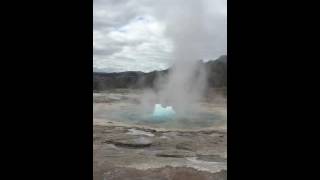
[(137, 132), (175, 153), (137, 142), (190, 146), (211, 158)]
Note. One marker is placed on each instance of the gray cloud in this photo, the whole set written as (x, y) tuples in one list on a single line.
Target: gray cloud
[(147, 35)]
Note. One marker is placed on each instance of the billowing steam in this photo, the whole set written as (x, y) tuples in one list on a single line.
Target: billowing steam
[(189, 28)]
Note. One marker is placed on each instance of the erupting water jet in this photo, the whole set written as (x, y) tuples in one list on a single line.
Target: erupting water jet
[(163, 113)]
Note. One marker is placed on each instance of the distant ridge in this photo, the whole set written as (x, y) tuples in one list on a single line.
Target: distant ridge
[(216, 70)]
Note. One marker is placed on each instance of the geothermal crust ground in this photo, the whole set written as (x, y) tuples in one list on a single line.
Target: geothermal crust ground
[(132, 149)]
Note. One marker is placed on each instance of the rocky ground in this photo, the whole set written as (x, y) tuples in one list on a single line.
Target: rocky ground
[(121, 152), (127, 152)]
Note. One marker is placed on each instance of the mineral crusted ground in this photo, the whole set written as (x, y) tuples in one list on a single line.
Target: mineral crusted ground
[(129, 152)]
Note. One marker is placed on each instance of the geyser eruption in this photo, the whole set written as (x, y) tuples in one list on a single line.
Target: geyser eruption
[(186, 80), (189, 26), (185, 86), (161, 113)]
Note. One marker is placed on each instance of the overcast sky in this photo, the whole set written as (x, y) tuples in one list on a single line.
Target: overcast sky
[(147, 35)]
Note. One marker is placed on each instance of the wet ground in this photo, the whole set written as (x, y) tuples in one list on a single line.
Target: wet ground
[(129, 149)]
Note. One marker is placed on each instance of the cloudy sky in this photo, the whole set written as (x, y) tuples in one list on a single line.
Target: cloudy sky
[(147, 35)]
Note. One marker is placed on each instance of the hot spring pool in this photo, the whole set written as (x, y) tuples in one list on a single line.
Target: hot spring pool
[(208, 115)]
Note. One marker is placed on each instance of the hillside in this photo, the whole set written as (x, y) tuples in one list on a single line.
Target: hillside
[(216, 70)]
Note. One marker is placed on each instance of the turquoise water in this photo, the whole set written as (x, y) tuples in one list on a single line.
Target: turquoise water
[(163, 113), (131, 114)]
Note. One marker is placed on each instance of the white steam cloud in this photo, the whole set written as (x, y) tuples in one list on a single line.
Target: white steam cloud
[(189, 25)]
